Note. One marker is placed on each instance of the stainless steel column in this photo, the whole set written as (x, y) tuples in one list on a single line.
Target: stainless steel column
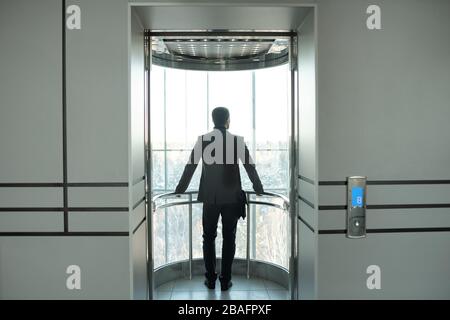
[(293, 170), (190, 236), (148, 175), (248, 235)]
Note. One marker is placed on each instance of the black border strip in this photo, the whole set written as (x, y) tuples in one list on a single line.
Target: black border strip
[(386, 182), (64, 119), (390, 230), (310, 181), (333, 207), (408, 206), (24, 209), (98, 209), (31, 185), (97, 184), (139, 225), (306, 223), (57, 209), (137, 204), (334, 183), (310, 204), (65, 234), (390, 206), (62, 184)]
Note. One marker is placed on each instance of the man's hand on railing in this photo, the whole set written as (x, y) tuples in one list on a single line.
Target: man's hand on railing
[(259, 190)]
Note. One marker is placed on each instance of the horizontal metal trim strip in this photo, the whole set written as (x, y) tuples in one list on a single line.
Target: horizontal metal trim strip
[(310, 204), (97, 184), (386, 182), (98, 209), (139, 180), (305, 223), (219, 33), (32, 185), (390, 206), (65, 234), (139, 225), (139, 203), (390, 230), (311, 181)]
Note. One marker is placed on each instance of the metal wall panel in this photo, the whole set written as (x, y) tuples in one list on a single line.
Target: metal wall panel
[(31, 91), (306, 159), (384, 93), (137, 216), (31, 222), (138, 192), (137, 97), (307, 99), (306, 262), (98, 221), (97, 93), (98, 197), (31, 197), (307, 214), (32, 269), (306, 191), (413, 266)]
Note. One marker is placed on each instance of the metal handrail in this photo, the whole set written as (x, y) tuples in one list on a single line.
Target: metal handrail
[(161, 196), (284, 207)]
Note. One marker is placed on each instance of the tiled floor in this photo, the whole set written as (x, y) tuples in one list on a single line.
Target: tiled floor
[(242, 289)]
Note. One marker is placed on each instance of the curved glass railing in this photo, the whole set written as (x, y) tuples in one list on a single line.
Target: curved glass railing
[(273, 233)]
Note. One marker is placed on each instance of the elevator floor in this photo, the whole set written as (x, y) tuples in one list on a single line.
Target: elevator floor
[(242, 289)]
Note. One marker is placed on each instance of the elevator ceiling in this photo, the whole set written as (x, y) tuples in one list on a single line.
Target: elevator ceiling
[(220, 53)]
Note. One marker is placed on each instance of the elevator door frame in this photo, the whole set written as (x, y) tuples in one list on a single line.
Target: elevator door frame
[(293, 143)]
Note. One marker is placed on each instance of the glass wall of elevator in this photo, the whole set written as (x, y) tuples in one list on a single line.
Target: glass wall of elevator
[(187, 75)]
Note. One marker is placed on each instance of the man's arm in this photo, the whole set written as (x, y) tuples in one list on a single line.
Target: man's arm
[(250, 168), (190, 167)]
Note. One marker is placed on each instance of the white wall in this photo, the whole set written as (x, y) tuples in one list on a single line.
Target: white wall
[(35, 248), (383, 112)]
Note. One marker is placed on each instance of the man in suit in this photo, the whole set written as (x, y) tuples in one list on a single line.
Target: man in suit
[(220, 191)]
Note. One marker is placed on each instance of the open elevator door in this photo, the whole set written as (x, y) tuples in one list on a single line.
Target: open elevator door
[(238, 51)]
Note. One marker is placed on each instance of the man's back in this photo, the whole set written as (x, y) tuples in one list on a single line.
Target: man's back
[(220, 181)]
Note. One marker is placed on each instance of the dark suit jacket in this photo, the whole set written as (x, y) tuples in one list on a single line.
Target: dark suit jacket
[(220, 183)]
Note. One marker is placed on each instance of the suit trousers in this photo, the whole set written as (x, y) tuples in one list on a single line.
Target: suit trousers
[(230, 215)]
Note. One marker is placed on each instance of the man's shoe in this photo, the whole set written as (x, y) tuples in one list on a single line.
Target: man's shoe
[(225, 285), (210, 284)]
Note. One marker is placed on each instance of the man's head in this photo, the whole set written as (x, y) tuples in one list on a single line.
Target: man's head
[(221, 117)]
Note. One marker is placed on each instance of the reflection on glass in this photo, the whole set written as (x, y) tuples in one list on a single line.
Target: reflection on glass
[(272, 168), (177, 229), (271, 107), (159, 239), (271, 221)]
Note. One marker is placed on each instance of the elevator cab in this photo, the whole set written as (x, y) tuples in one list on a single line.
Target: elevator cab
[(187, 75)]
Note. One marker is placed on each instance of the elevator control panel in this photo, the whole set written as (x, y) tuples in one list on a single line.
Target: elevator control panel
[(356, 206)]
